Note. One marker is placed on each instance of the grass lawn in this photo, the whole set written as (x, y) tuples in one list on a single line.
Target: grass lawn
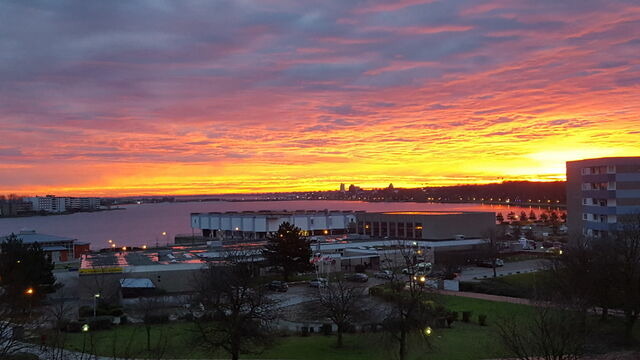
[(464, 341), (518, 285)]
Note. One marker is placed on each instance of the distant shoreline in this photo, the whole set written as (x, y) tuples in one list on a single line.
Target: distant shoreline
[(60, 213), (516, 204)]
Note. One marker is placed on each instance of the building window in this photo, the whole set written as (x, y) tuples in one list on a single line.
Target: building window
[(611, 169), (418, 231), (611, 185), (585, 216)]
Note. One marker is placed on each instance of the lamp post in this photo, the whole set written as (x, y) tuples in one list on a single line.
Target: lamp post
[(95, 303), (29, 292)]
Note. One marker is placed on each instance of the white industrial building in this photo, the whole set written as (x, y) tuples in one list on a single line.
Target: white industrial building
[(257, 225)]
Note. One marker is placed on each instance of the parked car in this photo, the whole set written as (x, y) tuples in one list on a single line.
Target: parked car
[(277, 285), (424, 267), (547, 244), (359, 277), (384, 274), (318, 282), (489, 263)]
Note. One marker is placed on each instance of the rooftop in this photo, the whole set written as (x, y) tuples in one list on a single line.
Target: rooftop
[(423, 212), (31, 236), (278, 213)]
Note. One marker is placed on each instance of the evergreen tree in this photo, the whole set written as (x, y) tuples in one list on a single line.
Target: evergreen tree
[(288, 250), (25, 271), (523, 216), (532, 216)]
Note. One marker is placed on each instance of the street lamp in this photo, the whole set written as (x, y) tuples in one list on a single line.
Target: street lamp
[(95, 304), (29, 292)]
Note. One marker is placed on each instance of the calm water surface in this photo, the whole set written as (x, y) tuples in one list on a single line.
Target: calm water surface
[(145, 223)]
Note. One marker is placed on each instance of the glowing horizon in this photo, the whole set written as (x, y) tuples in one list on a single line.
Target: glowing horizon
[(260, 96)]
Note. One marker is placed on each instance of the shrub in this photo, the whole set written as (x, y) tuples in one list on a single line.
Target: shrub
[(326, 329), (441, 322), (482, 320), (304, 331), (451, 317), (85, 311), (376, 290), (74, 326), (100, 323), (466, 316)]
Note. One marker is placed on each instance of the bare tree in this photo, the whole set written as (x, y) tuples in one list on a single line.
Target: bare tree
[(409, 312), (238, 315), (491, 250), (10, 319), (343, 304), (551, 333), (626, 244), (152, 312)]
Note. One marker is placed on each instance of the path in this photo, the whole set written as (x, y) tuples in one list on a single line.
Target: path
[(498, 298)]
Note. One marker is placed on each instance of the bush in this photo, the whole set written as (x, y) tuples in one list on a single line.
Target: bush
[(100, 323), (452, 316), (85, 311), (482, 320), (74, 326), (466, 316), (376, 291), (326, 329), (304, 331), (496, 287), (101, 310)]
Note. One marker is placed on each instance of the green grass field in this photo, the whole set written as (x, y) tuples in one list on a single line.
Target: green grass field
[(464, 341), (518, 285)]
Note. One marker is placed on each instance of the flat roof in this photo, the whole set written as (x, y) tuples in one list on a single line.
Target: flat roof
[(278, 212), (424, 212), (31, 237), (137, 283)]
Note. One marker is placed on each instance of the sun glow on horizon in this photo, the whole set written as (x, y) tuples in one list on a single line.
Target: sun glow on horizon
[(292, 96)]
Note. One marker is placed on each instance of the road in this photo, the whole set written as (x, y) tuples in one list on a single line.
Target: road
[(300, 293), (475, 273)]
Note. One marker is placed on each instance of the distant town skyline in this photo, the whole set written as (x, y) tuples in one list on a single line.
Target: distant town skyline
[(155, 98)]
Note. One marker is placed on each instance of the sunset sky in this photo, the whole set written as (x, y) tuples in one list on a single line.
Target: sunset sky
[(194, 97)]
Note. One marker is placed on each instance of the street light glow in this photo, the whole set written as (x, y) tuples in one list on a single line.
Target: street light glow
[(29, 291)]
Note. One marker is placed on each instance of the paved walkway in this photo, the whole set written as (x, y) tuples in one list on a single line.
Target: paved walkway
[(488, 297)]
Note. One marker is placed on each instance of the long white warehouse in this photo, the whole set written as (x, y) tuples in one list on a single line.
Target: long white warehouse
[(257, 224)]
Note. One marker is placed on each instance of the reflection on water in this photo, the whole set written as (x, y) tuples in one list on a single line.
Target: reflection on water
[(157, 224)]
